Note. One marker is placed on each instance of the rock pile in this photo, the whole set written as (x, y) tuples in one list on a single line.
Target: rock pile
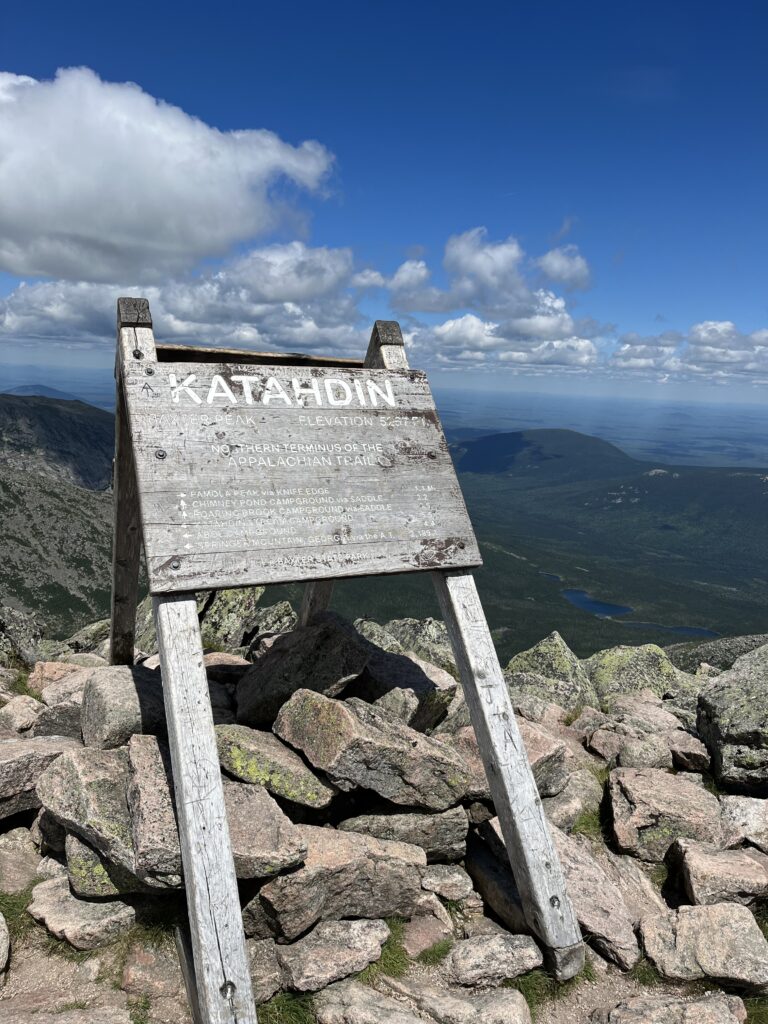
[(362, 826)]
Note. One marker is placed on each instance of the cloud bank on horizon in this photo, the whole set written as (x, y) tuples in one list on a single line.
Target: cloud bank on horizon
[(105, 190)]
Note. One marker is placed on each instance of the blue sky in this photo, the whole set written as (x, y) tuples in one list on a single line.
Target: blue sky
[(548, 196)]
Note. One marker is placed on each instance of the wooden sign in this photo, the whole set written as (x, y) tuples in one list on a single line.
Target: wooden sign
[(261, 474)]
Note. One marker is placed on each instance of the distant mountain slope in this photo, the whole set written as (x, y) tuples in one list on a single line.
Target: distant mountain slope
[(542, 456), (65, 440), (40, 391)]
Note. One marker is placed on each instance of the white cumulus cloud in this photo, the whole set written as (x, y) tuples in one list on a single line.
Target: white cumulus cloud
[(565, 265), (100, 181)]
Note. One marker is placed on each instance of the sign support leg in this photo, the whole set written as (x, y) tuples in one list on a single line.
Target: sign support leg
[(316, 598), (532, 854), (126, 542), (221, 970)]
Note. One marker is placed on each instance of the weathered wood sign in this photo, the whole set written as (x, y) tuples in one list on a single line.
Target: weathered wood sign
[(260, 474), (244, 468)]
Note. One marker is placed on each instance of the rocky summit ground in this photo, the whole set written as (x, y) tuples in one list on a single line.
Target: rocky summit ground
[(374, 880)]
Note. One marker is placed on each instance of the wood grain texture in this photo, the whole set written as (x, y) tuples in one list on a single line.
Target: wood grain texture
[(532, 854), (222, 975), (318, 594), (331, 480), (133, 312), (126, 543)]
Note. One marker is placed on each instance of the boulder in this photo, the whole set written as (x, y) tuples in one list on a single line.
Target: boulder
[(638, 892), (442, 1006), (710, 1008), (223, 667), (581, 794), (733, 722), (643, 709), (711, 875), (153, 971), (266, 976), (63, 701), (355, 744), (332, 950), (424, 931), (646, 752), (448, 881), (349, 1002), (20, 713), (344, 875), (264, 841), (118, 702), (597, 901), (323, 657), (230, 618), (426, 637), (492, 959), (652, 808), (83, 924), (259, 757), (85, 790), (552, 671), (745, 820), (688, 753), (442, 836), (623, 670), (92, 876), (719, 653), (19, 860), (722, 942), (22, 762), (397, 681)]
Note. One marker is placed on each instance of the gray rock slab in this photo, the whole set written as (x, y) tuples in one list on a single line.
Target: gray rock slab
[(711, 1008), (333, 950), (264, 840), (323, 657), (442, 836), (688, 753), (19, 860), (733, 722), (83, 924), (745, 820), (344, 875), (266, 975), (711, 875), (645, 752), (722, 942), (623, 670), (20, 713), (456, 1007), (653, 808), (426, 637), (85, 791), (491, 959), (22, 762), (447, 880), (355, 744), (92, 876), (260, 757), (349, 1002), (561, 677), (423, 932), (582, 793), (118, 702)]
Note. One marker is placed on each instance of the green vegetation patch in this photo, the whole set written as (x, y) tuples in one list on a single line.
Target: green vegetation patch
[(13, 907), (436, 953), (394, 960), (286, 1008), (539, 988), (644, 973)]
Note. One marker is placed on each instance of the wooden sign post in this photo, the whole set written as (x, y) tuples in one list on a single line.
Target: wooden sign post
[(244, 468)]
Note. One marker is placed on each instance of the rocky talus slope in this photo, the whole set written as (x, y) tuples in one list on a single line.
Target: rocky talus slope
[(373, 876)]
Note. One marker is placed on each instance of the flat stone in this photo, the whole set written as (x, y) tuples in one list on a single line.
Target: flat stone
[(344, 875), (120, 701), (83, 924), (358, 745), (264, 841), (491, 959), (638, 892), (153, 971), (423, 932), (733, 722), (260, 757), (451, 1007), (349, 1002), (22, 762), (151, 802), (582, 793), (688, 753), (711, 875), (447, 880), (442, 836), (333, 950), (645, 752), (745, 820), (653, 808), (711, 1008), (722, 942), (643, 708), (19, 860), (266, 976), (20, 713), (323, 657), (85, 790)]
